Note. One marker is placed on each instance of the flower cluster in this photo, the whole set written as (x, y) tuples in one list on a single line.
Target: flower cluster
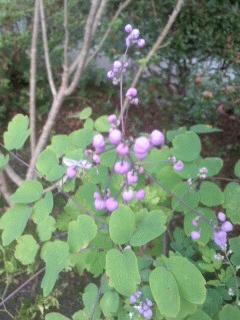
[(133, 37), (144, 307), (220, 234), (115, 73), (131, 95), (130, 153)]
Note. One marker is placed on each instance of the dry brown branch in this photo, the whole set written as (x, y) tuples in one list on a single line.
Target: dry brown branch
[(33, 70), (158, 43), (46, 49), (4, 189)]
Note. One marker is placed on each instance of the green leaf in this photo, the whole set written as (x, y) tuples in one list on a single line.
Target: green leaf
[(45, 228), (190, 281), (55, 316), (3, 160), (28, 192), (186, 309), (171, 134), (49, 166), (151, 227), (13, 223), (201, 315), (229, 312), (122, 270), (121, 225), (43, 208), (184, 197), (235, 245), (102, 124), (26, 249), (56, 257), (210, 194), (186, 146), (214, 165), (17, 132), (81, 232), (232, 201), (236, 169), (109, 303), (204, 128), (90, 299), (81, 138), (59, 144), (167, 178), (85, 113), (165, 291), (80, 315)]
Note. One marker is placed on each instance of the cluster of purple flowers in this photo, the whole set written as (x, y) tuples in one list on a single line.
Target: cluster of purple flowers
[(131, 95), (125, 166), (115, 73), (144, 307), (133, 37), (220, 234)]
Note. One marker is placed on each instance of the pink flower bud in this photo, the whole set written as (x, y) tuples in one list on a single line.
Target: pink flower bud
[(121, 167), (117, 65), (131, 93), (97, 195), (135, 34), (132, 178), (220, 238), (128, 28), (221, 216), (128, 195), (227, 226), (99, 204), (141, 43), (140, 195), (141, 146), (195, 235), (157, 138), (71, 172), (112, 119), (115, 136), (111, 204), (122, 149), (178, 166), (110, 75), (96, 159), (98, 141)]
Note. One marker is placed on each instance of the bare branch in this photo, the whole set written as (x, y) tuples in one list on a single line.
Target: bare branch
[(13, 175), (66, 40), (33, 71), (86, 45), (4, 189), (158, 43), (46, 49), (98, 16)]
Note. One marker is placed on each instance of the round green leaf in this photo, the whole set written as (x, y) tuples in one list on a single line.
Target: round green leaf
[(210, 194), (237, 169), (186, 146), (184, 197), (229, 312), (232, 201), (109, 303), (214, 165), (151, 227), (165, 291), (26, 249), (190, 281), (28, 192), (201, 315), (102, 124), (55, 316), (122, 270), (121, 225), (85, 113)]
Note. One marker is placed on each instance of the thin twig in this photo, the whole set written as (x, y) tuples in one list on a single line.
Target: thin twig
[(33, 77), (13, 175), (66, 40), (46, 49), (4, 189)]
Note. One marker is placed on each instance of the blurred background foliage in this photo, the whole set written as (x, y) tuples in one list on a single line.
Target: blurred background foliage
[(191, 79)]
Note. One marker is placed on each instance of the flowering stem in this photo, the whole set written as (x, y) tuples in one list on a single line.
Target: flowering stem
[(121, 93)]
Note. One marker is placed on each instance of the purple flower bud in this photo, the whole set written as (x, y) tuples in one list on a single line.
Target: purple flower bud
[(71, 172), (99, 204), (141, 146), (195, 235), (121, 167), (131, 93), (132, 178), (134, 101), (140, 195), (220, 238), (122, 149), (149, 302), (141, 43), (97, 195), (178, 166), (117, 65), (112, 119), (195, 222), (135, 34), (110, 75), (115, 136), (128, 28), (133, 299), (141, 170), (138, 294), (148, 314), (96, 159), (157, 138), (227, 226), (141, 156), (98, 141), (221, 216), (128, 195), (111, 204)]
